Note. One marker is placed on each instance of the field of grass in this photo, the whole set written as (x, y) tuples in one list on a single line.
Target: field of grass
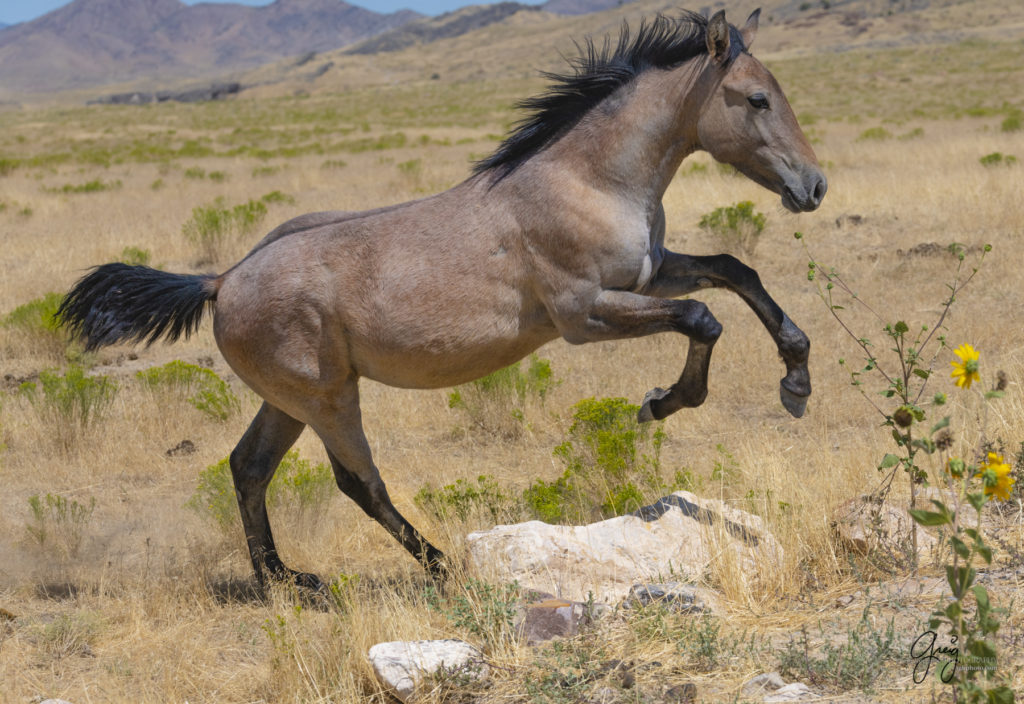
[(119, 585)]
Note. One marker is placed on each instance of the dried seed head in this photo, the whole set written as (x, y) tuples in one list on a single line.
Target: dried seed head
[(1001, 380), (903, 417), (944, 440)]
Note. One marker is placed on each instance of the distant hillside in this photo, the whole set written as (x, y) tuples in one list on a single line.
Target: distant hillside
[(580, 7), (431, 29), (95, 42)]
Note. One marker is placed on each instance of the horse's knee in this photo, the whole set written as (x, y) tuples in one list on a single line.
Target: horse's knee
[(698, 323)]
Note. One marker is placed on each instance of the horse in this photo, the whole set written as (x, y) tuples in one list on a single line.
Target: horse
[(559, 233)]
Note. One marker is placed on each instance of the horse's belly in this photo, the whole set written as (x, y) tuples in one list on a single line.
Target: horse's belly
[(441, 355)]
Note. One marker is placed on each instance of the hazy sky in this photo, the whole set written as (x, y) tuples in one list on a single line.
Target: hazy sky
[(12, 11)]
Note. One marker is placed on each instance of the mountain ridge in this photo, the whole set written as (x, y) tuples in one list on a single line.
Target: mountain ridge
[(96, 42)]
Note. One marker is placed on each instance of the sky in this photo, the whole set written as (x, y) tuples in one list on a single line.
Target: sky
[(14, 11)]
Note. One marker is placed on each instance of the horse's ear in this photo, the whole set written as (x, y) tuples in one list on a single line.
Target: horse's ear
[(749, 30), (718, 36)]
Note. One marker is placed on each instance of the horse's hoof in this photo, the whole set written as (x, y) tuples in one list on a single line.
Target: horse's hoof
[(309, 582), (646, 414), (795, 404)]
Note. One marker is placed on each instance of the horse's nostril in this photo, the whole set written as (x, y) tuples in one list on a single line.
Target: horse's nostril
[(819, 191)]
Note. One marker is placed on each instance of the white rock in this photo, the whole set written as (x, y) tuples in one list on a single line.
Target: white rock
[(764, 683), (868, 527), (795, 692), (402, 665), (681, 535)]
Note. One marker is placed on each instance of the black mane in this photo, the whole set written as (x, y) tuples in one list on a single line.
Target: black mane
[(663, 43)]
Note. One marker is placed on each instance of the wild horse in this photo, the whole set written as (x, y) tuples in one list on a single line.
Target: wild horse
[(559, 233)]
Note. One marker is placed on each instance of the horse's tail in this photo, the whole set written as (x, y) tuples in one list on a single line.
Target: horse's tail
[(122, 303)]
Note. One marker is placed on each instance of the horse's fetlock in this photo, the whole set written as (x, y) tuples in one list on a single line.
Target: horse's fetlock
[(691, 397), (794, 346)]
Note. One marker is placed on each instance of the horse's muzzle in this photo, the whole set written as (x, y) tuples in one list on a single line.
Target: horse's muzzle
[(807, 195)]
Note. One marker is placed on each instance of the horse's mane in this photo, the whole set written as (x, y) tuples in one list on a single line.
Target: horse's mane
[(597, 73)]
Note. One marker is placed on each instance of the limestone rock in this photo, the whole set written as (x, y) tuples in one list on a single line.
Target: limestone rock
[(680, 534), (402, 665), (795, 692), (867, 526), (763, 684)]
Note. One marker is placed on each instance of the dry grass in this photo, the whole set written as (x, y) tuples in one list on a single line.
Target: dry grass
[(154, 606)]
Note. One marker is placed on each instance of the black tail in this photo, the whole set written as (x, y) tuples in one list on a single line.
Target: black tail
[(123, 303)]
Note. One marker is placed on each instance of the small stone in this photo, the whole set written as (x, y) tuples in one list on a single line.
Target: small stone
[(676, 596), (604, 695), (795, 692), (402, 665), (844, 601), (685, 693), (551, 618), (185, 447)]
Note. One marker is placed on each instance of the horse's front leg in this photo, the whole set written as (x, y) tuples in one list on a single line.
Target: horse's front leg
[(680, 274), (616, 315)]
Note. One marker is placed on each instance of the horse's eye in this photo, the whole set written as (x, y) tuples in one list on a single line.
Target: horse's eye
[(759, 101)]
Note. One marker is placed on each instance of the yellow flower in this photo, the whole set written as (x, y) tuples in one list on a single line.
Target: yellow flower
[(966, 370), (995, 472)]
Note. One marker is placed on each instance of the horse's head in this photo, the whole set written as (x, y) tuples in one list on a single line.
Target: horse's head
[(747, 122)]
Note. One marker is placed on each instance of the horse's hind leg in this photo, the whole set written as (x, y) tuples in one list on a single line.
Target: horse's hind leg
[(253, 462), (359, 479)]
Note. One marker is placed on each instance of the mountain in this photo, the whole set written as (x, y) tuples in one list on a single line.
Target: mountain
[(431, 29), (96, 42), (580, 7)]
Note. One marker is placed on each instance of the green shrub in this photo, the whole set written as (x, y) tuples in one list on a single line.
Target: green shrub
[(7, 165), (37, 317), (297, 484), (69, 634), (483, 610), (738, 227), (94, 186), (70, 403), (612, 466), (135, 256), (998, 159), (1012, 123), (277, 197), (195, 172), (411, 167), (853, 664), (485, 499), (72, 398), (496, 403), (213, 227), (58, 523), (876, 133), (208, 392)]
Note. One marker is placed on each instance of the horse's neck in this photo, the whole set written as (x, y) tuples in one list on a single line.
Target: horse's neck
[(636, 139)]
